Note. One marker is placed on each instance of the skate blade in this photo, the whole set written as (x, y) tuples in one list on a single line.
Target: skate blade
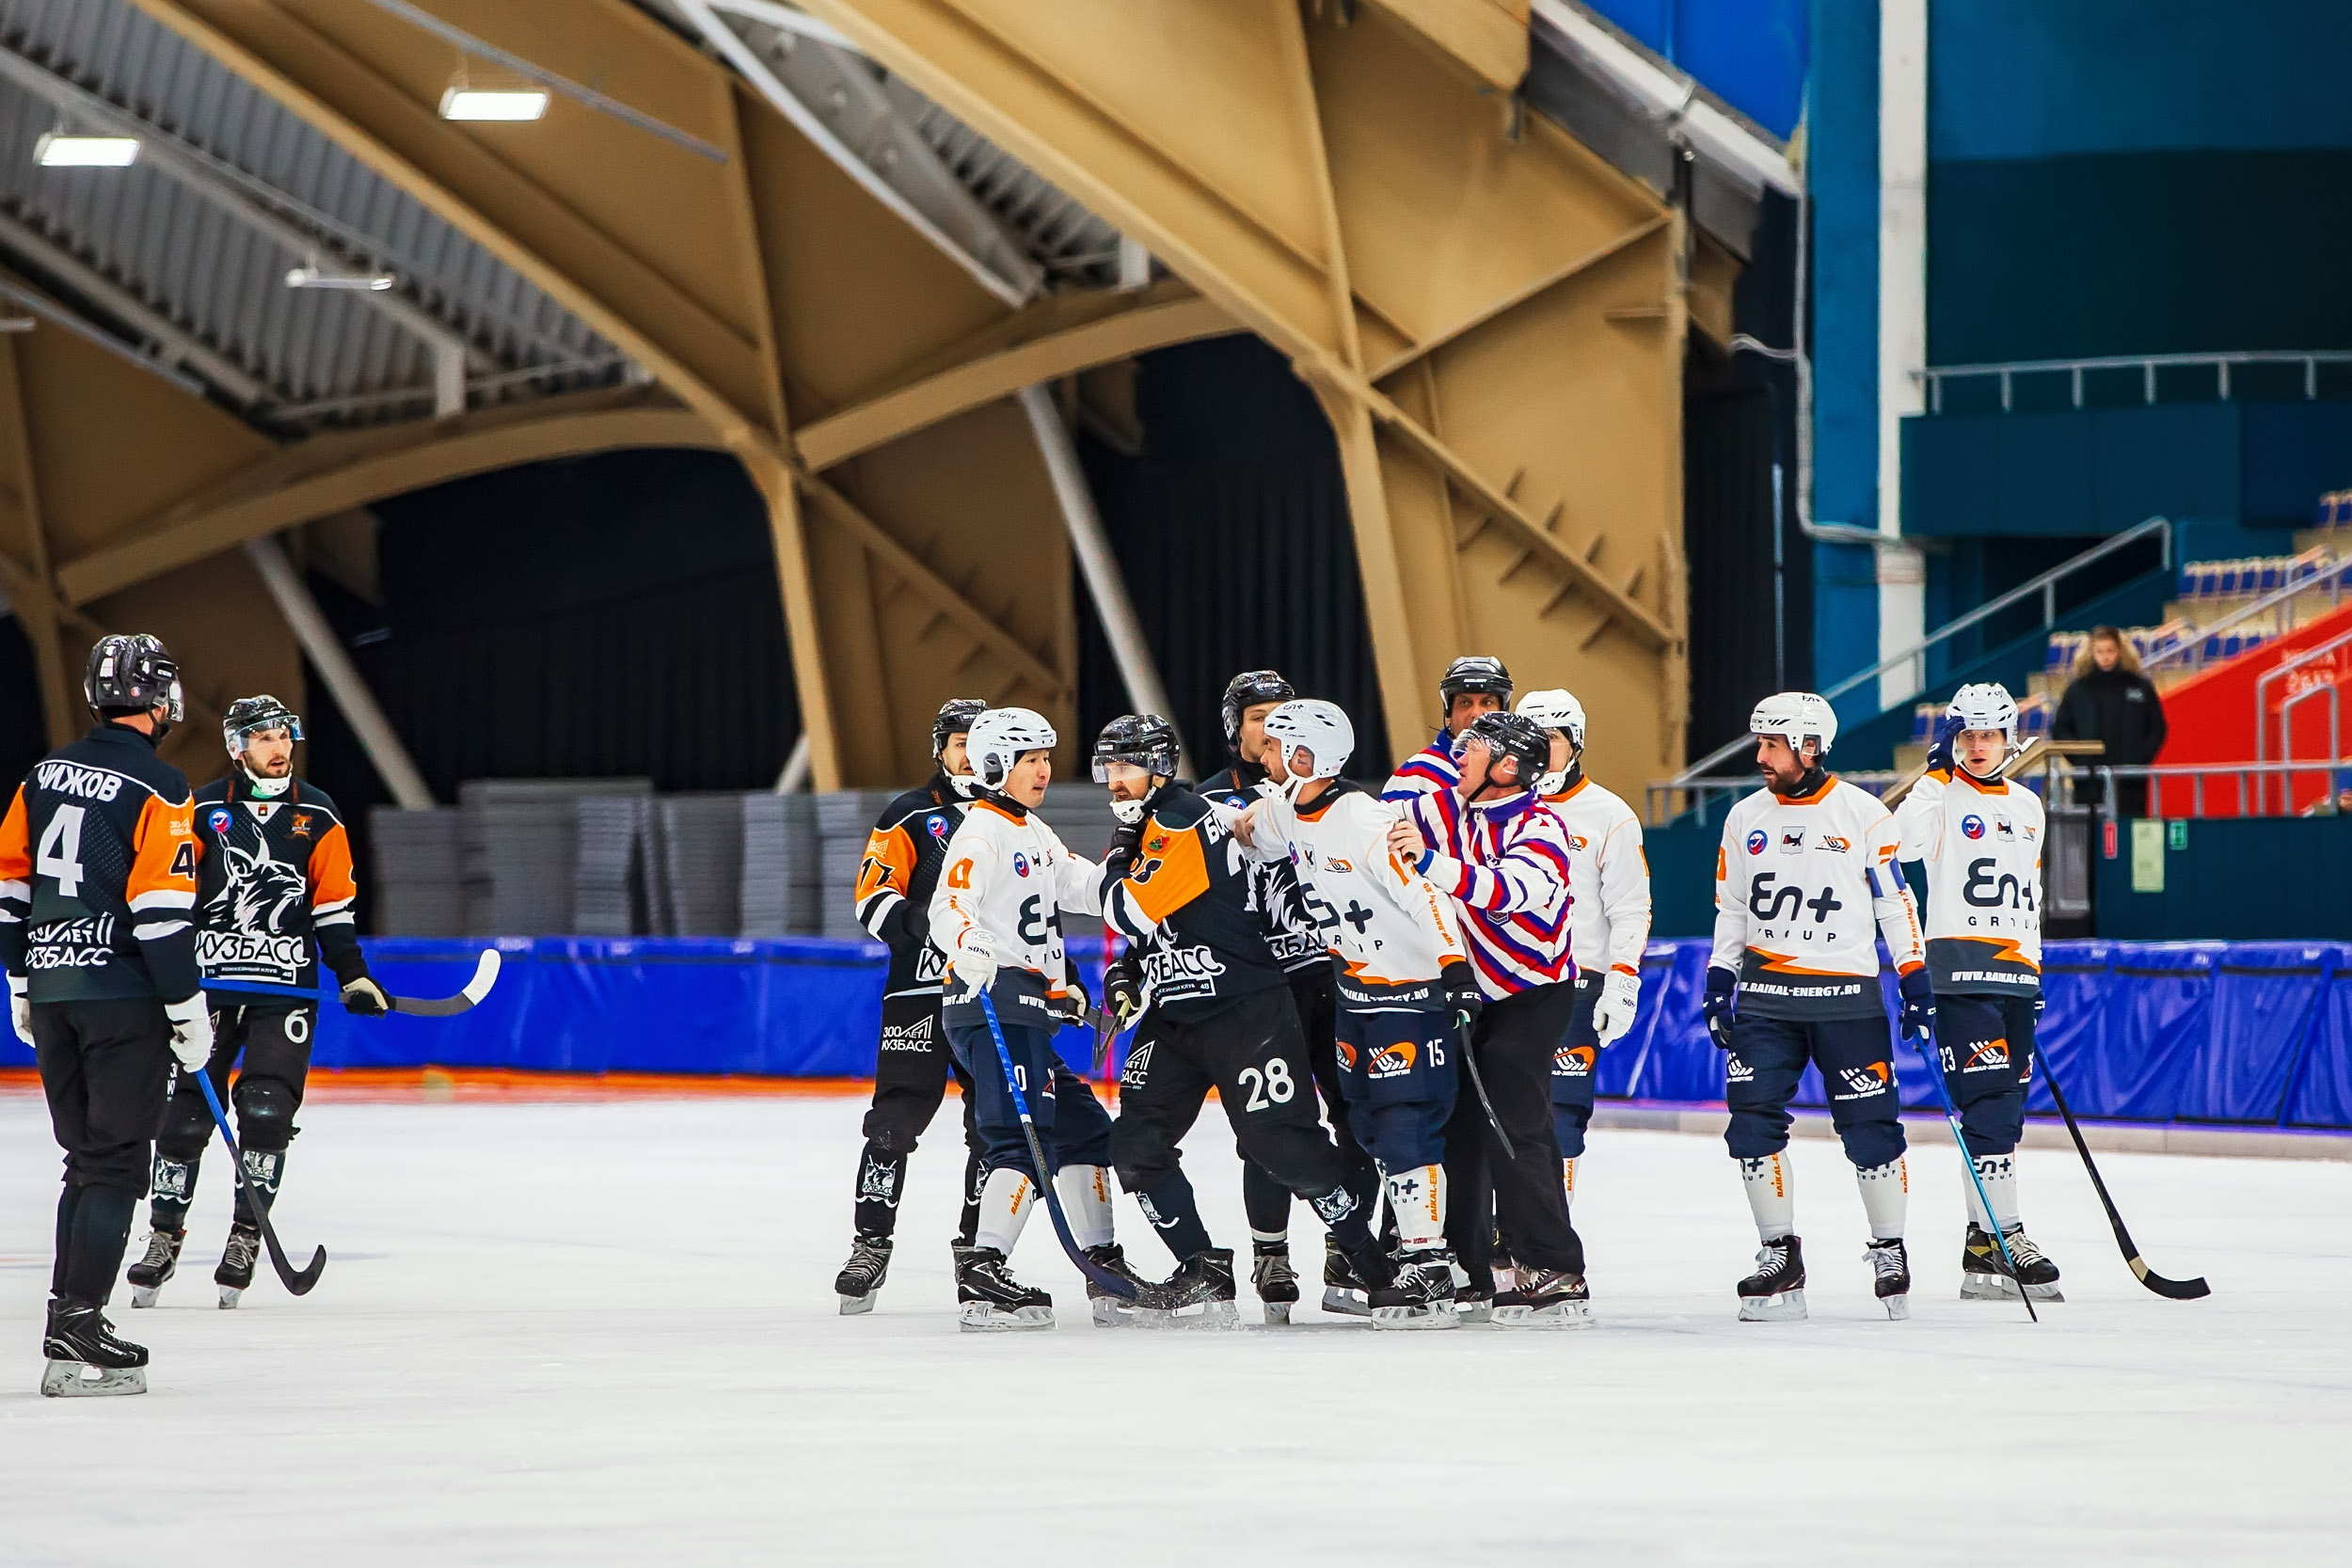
[(980, 1317), (78, 1380), (1988, 1287), (1441, 1315), (1112, 1312), (1208, 1316), (1475, 1311), (2045, 1292), (229, 1296), (1553, 1315), (1348, 1304), (853, 1305), (1788, 1306), (1897, 1307), (1277, 1312), (143, 1295)]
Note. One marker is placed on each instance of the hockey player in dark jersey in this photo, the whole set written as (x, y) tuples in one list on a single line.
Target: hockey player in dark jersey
[(912, 1066), (1218, 1013), (97, 882), (275, 888), (1471, 684), (1297, 944)]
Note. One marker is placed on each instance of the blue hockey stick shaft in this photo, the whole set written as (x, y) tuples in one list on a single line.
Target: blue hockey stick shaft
[(1095, 1271), (297, 1281), (1951, 1113)]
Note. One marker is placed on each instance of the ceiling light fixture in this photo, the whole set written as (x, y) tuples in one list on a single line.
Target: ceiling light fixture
[(309, 275), (515, 103), (61, 150)]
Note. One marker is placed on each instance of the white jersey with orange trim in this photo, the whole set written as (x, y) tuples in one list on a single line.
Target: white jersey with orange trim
[(1009, 873), (1388, 925), (1981, 845), (1609, 873), (1798, 880)]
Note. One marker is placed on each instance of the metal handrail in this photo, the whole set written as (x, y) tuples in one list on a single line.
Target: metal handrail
[(2198, 773), (1934, 376), (2045, 585), (2330, 576), (2285, 667)]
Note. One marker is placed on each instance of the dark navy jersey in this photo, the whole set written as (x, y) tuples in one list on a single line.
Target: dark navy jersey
[(1291, 932), (896, 879), (1189, 902), (273, 885), (98, 874)]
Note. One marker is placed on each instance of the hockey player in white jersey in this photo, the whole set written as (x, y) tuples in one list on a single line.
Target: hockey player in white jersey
[(996, 914), (1805, 865), (1609, 922), (1404, 978), (1979, 837)]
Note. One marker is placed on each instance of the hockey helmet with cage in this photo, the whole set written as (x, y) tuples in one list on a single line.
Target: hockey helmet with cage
[(1000, 738), (1317, 727), (249, 716), (1796, 716), (1515, 736), (131, 672), (955, 718), (1246, 692), (1145, 741), (1987, 705), (1473, 672)]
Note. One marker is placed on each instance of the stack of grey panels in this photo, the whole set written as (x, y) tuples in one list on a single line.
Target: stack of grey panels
[(1081, 813), (845, 819), (521, 845), (782, 872), (609, 877), (703, 861), (419, 888)]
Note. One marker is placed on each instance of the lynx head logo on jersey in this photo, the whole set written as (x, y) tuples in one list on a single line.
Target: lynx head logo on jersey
[(260, 892), (1792, 842), (1973, 826), (1756, 842)]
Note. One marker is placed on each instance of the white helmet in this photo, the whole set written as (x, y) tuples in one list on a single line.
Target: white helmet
[(1318, 726), (1001, 737), (1796, 716), (1987, 707), (1557, 710)]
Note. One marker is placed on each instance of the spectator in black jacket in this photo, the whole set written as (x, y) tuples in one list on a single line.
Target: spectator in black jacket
[(2109, 701)]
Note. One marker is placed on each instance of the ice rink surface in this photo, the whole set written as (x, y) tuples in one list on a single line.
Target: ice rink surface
[(605, 1333)]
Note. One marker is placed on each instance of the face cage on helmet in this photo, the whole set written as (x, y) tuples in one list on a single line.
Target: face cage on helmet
[(244, 733), (1158, 765)]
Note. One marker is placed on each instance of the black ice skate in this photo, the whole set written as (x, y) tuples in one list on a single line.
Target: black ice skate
[(861, 1278), (161, 1261), (85, 1359), (1273, 1279), (235, 1275), (993, 1302), (1892, 1267), (1775, 1291), (1545, 1298), (1422, 1294), (1200, 1295), (1342, 1292), (1112, 1311), (1983, 1275), (1470, 1304)]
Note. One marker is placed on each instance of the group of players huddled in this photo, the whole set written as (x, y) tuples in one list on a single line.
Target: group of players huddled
[(152, 934), (1401, 998)]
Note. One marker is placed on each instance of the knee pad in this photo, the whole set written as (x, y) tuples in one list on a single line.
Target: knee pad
[(1993, 1124), (892, 1127), (1872, 1144), (187, 1126), (266, 1111), (1753, 1134), (1568, 1129), (1141, 1153)]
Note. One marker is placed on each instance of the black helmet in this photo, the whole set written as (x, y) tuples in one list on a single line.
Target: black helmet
[(1246, 692), (955, 718), (1515, 735), (1145, 739), (1473, 672), (130, 674), (248, 716)]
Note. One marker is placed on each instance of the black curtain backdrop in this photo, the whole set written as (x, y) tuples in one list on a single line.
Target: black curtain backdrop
[(1232, 531), (23, 736)]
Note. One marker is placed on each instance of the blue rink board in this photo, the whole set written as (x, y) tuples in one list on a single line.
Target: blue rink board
[(2245, 1033)]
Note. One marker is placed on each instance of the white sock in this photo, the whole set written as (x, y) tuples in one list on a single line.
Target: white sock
[(1771, 1184), (1005, 1198), (1885, 1193), (1271, 1238), (1086, 1196), (1417, 1194), (1999, 1172)]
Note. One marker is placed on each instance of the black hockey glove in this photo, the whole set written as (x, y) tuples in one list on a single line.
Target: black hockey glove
[(363, 996), (1123, 992), (1940, 748), (1461, 991), (1918, 1025), (1717, 1005), (1125, 845)]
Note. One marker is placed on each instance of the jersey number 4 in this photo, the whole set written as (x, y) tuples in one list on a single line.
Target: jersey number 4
[(59, 853)]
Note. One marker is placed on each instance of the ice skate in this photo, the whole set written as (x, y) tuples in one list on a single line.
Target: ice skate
[(146, 1276), (235, 1275), (85, 1359), (991, 1301), (1775, 1291), (1984, 1276), (1111, 1312), (1200, 1295), (861, 1278), (1273, 1279), (1420, 1296), (1892, 1267), (1343, 1292), (1545, 1298), (1472, 1305)]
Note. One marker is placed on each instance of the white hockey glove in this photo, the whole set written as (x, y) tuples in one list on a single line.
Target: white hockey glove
[(21, 1007), (975, 963), (366, 998), (191, 1031), (1620, 999)]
